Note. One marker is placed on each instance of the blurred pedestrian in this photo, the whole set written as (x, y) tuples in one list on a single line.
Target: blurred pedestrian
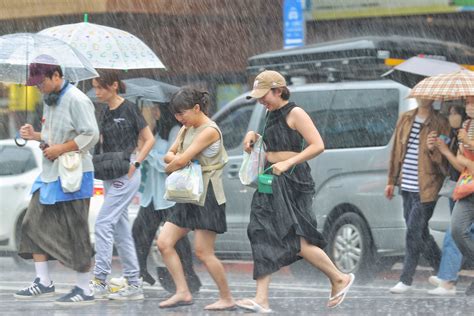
[(418, 172), (55, 226), (199, 139), (282, 227), (463, 213), (154, 209), (451, 258), (122, 126)]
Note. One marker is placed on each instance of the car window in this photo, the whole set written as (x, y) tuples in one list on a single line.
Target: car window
[(16, 160), (317, 104), (234, 124), (362, 118)]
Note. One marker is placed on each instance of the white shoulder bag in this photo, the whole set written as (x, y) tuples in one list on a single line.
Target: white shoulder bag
[(70, 171)]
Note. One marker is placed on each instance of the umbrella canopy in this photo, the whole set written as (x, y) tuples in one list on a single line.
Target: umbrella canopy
[(106, 47), (19, 50), (445, 87), (144, 88), (415, 69)]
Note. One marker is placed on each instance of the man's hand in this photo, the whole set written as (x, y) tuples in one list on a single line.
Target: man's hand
[(52, 152), (27, 132), (389, 191)]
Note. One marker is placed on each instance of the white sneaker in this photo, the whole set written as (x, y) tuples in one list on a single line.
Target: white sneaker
[(434, 280), (116, 284), (442, 291), (130, 292), (400, 288)]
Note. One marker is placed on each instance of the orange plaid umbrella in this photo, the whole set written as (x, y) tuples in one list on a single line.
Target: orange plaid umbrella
[(451, 86)]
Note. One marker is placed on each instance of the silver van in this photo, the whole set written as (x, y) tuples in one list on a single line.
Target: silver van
[(356, 121)]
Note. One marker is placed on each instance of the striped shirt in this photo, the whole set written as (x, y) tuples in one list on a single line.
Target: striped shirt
[(410, 162), (470, 132)]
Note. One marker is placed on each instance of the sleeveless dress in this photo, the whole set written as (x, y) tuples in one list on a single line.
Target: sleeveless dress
[(210, 215), (278, 220)]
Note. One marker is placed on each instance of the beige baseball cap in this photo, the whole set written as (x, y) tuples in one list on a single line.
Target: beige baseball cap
[(265, 81)]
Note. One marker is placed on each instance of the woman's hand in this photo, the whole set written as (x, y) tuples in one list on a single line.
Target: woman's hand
[(462, 136), (249, 141), (131, 171), (280, 167), (442, 147), (431, 140)]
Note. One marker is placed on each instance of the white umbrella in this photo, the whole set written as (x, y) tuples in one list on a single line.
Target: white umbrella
[(19, 50), (106, 47)]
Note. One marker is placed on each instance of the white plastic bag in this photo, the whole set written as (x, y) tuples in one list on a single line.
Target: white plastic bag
[(70, 171), (252, 165), (185, 185)]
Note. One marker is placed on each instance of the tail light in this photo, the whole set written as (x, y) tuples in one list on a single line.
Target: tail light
[(98, 191)]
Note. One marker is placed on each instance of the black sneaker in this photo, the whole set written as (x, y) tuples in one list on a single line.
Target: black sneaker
[(75, 297), (470, 289), (34, 290)]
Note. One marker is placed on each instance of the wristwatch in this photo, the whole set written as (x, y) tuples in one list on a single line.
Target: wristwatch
[(136, 164)]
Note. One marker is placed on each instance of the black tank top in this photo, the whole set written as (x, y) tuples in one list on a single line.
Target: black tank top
[(278, 136)]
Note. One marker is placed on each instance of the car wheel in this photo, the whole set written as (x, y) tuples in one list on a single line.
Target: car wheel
[(350, 246), (19, 260)]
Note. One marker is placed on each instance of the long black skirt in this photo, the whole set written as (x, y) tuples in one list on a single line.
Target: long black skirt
[(279, 220), (211, 216), (60, 231)]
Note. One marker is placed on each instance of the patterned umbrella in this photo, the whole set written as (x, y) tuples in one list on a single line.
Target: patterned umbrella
[(106, 47), (451, 86)]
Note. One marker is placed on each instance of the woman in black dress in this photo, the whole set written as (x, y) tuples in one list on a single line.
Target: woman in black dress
[(282, 227)]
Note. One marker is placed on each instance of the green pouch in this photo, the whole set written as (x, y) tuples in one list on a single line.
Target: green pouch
[(265, 182)]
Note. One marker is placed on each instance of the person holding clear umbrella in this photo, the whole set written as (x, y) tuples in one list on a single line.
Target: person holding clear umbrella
[(55, 225), (122, 128)]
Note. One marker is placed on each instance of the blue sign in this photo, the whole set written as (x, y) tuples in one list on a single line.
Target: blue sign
[(293, 24)]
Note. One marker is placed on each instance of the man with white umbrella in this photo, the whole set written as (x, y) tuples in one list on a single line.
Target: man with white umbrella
[(55, 226)]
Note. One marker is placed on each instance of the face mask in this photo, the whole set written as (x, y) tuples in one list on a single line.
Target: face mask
[(470, 111), (455, 120)]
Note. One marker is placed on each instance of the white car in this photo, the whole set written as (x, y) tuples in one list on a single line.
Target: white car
[(19, 167)]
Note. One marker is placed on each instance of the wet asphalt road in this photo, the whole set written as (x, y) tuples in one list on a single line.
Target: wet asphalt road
[(289, 295)]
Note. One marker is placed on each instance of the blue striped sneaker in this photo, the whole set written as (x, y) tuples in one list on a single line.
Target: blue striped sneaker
[(34, 290), (75, 297)]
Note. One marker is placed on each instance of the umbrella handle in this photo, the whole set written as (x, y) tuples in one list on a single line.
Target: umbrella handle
[(20, 142)]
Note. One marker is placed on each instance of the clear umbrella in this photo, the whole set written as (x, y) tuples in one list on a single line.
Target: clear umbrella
[(106, 47), (19, 50)]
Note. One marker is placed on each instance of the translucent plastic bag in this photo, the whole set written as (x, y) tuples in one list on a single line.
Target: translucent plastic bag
[(185, 185), (252, 165)]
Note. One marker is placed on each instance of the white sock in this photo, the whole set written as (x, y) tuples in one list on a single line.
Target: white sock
[(42, 272), (83, 282)]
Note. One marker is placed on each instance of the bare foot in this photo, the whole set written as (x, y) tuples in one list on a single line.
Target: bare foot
[(222, 304), (337, 287), (247, 302), (178, 299)]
